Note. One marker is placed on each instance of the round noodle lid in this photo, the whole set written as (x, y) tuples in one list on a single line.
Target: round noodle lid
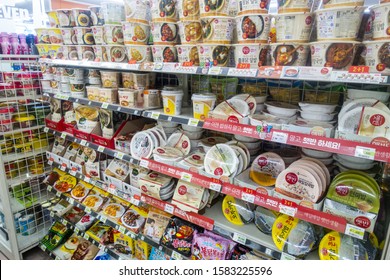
[(195, 159), (322, 166), (315, 171), (221, 160), (266, 168), (249, 99), (350, 105), (243, 147), (180, 141), (168, 152), (233, 106), (349, 122), (298, 183), (364, 175), (141, 145), (242, 157)]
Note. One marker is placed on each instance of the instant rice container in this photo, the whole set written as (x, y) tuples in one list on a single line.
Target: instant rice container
[(217, 30), (142, 145), (164, 33), (113, 12), (77, 90), (163, 11), (65, 18), (137, 11), (253, 54), (164, 53), (98, 34), (377, 56), (135, 32), (116, 53), (289, 54), (139, 53), (82, 17), (188, 53), (190, 31), (266, 168), (252, 6), (253, 28), (214, 54), (221, 160), (172, 102), (342, 3), (202, 105), (93, 93), (113, 34), (237, 211), (294, 6), (293, 27), (187, 9)]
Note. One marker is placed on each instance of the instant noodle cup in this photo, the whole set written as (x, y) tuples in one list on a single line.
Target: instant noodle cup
[(55, 51), (68, 36), (139, 53), (214, 8), (127, 97), (110, 79), (93, 77), (217, 30), (188, 9), (53, 20), (202, 105), (164, 53), (381, 22), (172, 101), (336, 54), (342, 3), (214, 54), (253, 28), (113, 34), (377, 56), (164, 33), (82, 17), (77, 90), (128, 80), (85, 52), (43, 35), (84, 35), (340, 23), (96, 15), (55, 36), (76, 76), (137, 11), (135, 32), (294, 6), (188, 53), (287, 54), (252, 7), (65, 18), (163, 10), (116, 53), (253, 54), (113, 12), (97, 32), (190, 31), (293, 27), (70, 52), (100, 53)]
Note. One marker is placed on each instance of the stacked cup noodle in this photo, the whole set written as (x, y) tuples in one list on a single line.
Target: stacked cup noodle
[(136, 30), (164, 30), (293, 28), (253, 26), (338, 24)]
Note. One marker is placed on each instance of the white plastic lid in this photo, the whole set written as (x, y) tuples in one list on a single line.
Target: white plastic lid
[(221, 160), (201, 97)]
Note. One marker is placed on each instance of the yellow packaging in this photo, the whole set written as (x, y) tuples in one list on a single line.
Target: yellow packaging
[(142, 250), (281, 230), (202, 105), (172, 101), (123, 244)]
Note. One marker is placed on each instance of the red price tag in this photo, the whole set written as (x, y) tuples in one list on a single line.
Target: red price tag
[(132, 61), (359, 69), (289, 203), (243, 66), (188, 64)]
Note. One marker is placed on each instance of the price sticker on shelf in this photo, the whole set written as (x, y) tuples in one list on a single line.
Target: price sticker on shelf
[(169, 119), (142, 237), (239, 238), (286, 257), (43, 247), (193, 122), (268, 251), (83, 143), (46, 129), (169, 208), (354, 231), (100, 149), (122, 229), (63, 135), (88, 210), (118, 108), (103, 218), (365, 152), (72, 172), (135, 112), (101, 246), (215, 70), (119, 155), (176, 256), (288, 210), (63, 167), (52, 214), (160, 248), (279, 137), (86, 236), (155, 115), (248, 197), (158, 66), (215, 187), (144, 163), (49, 188), (70, 200), (58, 194), (64, 222), (134, 201), (104, 105), (87, 179), (186, 177), (76, 230)]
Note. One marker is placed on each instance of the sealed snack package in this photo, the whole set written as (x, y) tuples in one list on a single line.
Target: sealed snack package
[(156, 254), (85, 222), (207, 248)]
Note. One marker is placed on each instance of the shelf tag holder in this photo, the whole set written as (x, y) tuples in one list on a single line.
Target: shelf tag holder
[(239, 238), (354, 231)]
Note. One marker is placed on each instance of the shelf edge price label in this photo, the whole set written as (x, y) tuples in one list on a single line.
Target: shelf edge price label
[(186, 177), (63, 135), (176, 256), (58, 258), (169, 208), (365, 152), (72, 172), (52, 214), (248, 197), (155, 115), (193, 122), (58, 194), (101, 246), (239, 238), (268, 251), (158, 66), (122, 229), (46, 129), (134, 201), (88, 210), (288, 210), (144, 163), (103, 218), (119, 155), (354, 231), (215, 187), (64, 222), (279, 137), (104, 105), (86, 236), (287, 257), (49, 188), (215, 70), (43, 247), (100, 149), (70, 200), (83, 142), (76, 230), (359, 69)]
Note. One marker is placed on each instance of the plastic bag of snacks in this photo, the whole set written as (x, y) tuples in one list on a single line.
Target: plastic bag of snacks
[(205, 247)]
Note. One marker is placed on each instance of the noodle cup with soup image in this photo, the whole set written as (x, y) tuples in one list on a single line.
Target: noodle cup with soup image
[(139, 53), (293, 54), (214, 55), (135, 33), (190, 32), (245, 7), (163, 10), (253, 54), (188, 53), (137, 11), (113, 34), (377, 56), (164, 33), (253, 28), (217, 30), (164, 53), (188, 9), (293, 27)]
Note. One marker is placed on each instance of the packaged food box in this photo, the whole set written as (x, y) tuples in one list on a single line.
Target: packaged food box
[(66, 251), (244, 180), (155, 224), (190, 197), (123, 245), (123, 138), (85, 222), (58, 233), (85, 251), (311, 128), (69, 155), (73, 215), (115, 208), (101, 233), (134, 218), (156, 254), (96, 199), (61, 207), (142, 250), (81, 190), (157, 185), (117, 172)]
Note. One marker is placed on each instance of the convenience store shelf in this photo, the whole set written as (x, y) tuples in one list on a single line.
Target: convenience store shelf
[(18, 98), (25, 177), (186, 117), (14, 156), (28, 241), (15, 131), (16, 206)]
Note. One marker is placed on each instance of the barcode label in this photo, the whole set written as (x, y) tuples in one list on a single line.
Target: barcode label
[(354, 231), (279, 137), (364, 152), (239, 238), (215, 187), (248, 197), (186, 177), (290, 211), (176, 256), (169, 208), (104, 105)]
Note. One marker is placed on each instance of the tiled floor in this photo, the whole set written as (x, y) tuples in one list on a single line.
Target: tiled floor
[(34, 254)]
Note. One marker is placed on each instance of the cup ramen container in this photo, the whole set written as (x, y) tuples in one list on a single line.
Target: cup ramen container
[(214, 8), (214, 55), (65, 88), (43, 35), (188, 9), (75, 75), (77, 89), (139, 53), (47, 73), (55, 36), (70, 52), (188, 53), (172, 101), (65, 18), (381, 22), (127, 97), (116, 53), (245, 7), (253, 28), (93, 93), (68, 36), (127, 80), (45, 84), (137, 10), (294, 6), (164, 53), (96, 15), (341, 23), (190, 31), (53, 20), (377, 56), (84, 36), (113, 34), (135, 33), (43, 49), (217, 30), (253, 54), (56, 51), (336, 54), (85, 52), (342, 3), (82, 17), (164, 33), (113, 13), (293, 54), (97, 32), (110, 79), (202, 105), (294, 27), (163, 11), (93, 77), (55, 87), (100, 53)]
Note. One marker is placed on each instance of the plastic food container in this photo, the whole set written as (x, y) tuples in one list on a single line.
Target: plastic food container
[(150, 98), (97, 32), (116, 53), (213, 54), (139, 53), (93, 93), (317, 116), (217, 30), (113, 12), (135, 32), (188, 9), (202, 105), (96, 15), (65, 18), (127, 97), (376, 56), (84, 35), (214, 8), (77, 90), (55, 36), (85, 52), (336, 54), (100, 53), (381, 24), (294, 6), (93, 77), (172, 101), (70, 52), (163, 11), (253, 54), (6, 113), (252, 6), (141, 80), (113, 34), (109, 95), (75, 75), (164, 53), (343, 3), (43, 35), (289, 54), (53, 20), (293, 27), (281, 109), (82, 17), (188, 53), (253, 28), (68, 36), (24, 121), (190, 31), (346, 19), (137, 10), (110, 79), (65, 87), (164, 33)]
